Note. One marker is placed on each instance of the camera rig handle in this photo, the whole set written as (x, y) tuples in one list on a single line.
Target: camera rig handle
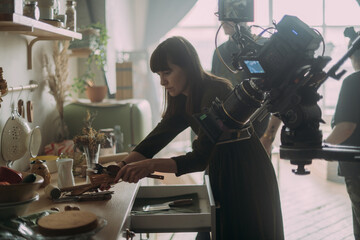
[(301, 152), (332, 72)]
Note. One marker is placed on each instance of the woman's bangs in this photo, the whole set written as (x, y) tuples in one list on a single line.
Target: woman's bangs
[(159, 61)]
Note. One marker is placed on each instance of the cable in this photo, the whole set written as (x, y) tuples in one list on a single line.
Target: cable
[(218, 52), (322, 40), (262, 32)]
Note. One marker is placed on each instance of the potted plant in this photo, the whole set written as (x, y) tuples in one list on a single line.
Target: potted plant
[(95, 40)]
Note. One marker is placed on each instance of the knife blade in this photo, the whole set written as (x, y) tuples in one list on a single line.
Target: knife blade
[(168, 205)]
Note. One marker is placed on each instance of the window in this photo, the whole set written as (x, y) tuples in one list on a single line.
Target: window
[(309, 11)]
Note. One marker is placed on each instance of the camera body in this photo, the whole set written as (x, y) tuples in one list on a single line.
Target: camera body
[(284, 80), (292, 46), (276, 68)]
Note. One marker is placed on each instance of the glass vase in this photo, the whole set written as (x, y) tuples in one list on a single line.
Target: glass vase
[(92, 157)]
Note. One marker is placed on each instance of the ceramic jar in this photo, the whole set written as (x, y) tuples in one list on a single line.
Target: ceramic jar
[(31, 10), (65, 175), (46, 9), (39, 167)]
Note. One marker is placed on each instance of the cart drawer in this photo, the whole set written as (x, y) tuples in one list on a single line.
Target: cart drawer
[(168, 221)]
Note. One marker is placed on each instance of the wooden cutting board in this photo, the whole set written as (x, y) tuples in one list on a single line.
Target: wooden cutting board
[(67, 223)]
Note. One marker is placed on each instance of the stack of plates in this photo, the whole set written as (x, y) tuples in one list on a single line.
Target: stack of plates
[(15, 209)]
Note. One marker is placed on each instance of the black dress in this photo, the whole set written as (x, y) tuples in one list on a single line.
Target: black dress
[(245, 186), (241, 174)]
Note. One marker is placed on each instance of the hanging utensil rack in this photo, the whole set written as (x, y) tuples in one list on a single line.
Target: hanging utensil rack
[(33, 85)]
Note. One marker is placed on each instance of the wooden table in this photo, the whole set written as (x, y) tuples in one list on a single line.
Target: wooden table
[(116, 210)]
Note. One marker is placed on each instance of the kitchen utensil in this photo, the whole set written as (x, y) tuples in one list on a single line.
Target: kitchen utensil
[(97, 196), (52, 192), (112, 170), (21, 108), (29, 111), (18, 138), (76, 187), (168, 205)]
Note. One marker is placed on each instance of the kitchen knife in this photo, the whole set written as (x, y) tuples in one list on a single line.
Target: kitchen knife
[(112, 170), (168, 205)]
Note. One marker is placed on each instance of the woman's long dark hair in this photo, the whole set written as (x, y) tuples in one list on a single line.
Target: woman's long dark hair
[(179, 51)]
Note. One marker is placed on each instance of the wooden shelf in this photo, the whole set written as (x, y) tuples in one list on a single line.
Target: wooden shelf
[(24, 25), (20, 24)]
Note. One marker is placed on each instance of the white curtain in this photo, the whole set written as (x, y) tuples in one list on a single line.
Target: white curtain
[(135, 28)]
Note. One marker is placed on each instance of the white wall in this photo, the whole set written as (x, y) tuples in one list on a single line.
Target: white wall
[(13, 60)]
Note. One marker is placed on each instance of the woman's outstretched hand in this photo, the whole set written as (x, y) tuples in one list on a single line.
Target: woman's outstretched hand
[(135, 171)]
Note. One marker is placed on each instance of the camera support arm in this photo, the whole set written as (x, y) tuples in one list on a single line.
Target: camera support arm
[(332, 72)]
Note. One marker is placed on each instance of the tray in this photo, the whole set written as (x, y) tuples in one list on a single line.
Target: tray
[(199, 219)]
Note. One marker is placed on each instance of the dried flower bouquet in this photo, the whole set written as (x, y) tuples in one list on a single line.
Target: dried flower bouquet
[(89, 138)]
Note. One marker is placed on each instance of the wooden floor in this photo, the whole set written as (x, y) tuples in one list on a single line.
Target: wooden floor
[(313, 208)]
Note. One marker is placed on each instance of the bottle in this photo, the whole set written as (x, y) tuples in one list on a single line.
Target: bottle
[(57, 8), (108, 148), (70, 13), (119, 139)]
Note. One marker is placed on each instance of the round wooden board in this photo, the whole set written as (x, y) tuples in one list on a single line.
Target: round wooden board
[(67, 223)]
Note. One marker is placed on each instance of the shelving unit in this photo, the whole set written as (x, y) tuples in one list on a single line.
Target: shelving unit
[(19, 24)]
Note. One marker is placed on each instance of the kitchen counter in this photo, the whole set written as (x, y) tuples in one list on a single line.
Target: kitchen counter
[(115, 211)]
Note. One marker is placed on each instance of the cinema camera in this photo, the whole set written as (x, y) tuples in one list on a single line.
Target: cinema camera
[(284, 80)]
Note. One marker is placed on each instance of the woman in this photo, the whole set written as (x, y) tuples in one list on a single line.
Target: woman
[(253, 210), (188, 89)]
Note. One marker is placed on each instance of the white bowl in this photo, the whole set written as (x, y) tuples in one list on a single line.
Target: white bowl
[(16, 209), (19, 192)]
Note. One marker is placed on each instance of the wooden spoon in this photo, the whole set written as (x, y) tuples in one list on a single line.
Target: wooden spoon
[(29, 111)]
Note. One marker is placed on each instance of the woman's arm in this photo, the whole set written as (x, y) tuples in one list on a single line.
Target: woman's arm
[(341, 132), (132, 157), (138, 169), (268, 138), (140, 163)]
